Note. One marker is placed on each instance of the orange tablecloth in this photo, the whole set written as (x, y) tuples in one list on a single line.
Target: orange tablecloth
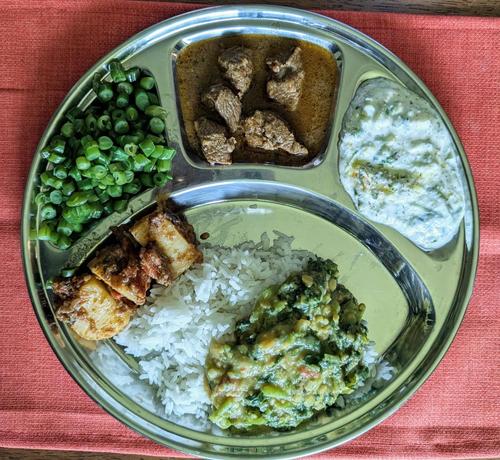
[(47, 45)]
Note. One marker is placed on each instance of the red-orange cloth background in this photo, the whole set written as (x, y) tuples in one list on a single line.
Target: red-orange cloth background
[(47, 45)]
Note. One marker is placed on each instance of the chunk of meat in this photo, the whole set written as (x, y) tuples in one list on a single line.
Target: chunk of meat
[(221, 99), (174, 239), (215, 145), (286, 85), (155, 264), (264, 130), (118, 265), (287, 90), (285, 63), (91, 308), (237, 67)]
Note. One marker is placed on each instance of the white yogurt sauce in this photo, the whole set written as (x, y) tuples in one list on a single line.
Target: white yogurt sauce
[(399, 165)]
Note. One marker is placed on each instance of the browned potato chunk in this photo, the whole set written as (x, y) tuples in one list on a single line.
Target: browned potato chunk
[(90, 308), (173, 238)]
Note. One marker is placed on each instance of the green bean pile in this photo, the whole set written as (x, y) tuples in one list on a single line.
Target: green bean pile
[(103, 156)]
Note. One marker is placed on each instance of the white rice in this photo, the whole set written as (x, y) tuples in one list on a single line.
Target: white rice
[(171, 334)]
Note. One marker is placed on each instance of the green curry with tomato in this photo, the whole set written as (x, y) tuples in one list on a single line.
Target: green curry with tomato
[(300, 349)]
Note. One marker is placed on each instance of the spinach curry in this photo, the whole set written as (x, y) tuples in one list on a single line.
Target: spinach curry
[(300, 349)]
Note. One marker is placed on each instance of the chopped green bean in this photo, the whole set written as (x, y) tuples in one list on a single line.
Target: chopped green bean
[(82, 163), (164, 165), (67, 130), (115, 191), (125, 87), (141, 99), (121, 126), (68, 188), (147, 146), (156, 125), (75, 174), (133, 74), (104, 123), (60, 172), (64, 228), (48, 212), (146, 180), (55, 158), (122, 101), (118, 154), (155, 111), (41, 198), (117, 72), (77, 199), (133, 187), (130, 149), (140, 161), (160, 179), (105, 92), (90, 122), (153, 98), (120, 205), (147, 83), (131, 113), (105, 142), (46, 232), (56, 197)]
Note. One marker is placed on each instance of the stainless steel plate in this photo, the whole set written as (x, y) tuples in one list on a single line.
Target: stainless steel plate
[(416, 300)]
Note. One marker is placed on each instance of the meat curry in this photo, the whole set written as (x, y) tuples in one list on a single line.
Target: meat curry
[(256, 98)]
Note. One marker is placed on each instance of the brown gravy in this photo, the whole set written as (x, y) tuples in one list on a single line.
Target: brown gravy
[(197, 69)]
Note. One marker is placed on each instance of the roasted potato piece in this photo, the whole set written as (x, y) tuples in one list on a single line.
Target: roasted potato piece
[(173, 238), (118, 265), (90, 308)]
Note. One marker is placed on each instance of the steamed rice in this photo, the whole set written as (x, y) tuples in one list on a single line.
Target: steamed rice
[(171, 333)]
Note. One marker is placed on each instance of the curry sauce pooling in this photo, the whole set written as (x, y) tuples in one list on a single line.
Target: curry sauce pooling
[(300, 349), (197, 70)]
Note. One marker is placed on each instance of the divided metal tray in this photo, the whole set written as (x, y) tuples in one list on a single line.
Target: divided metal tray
[(415, 300)]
